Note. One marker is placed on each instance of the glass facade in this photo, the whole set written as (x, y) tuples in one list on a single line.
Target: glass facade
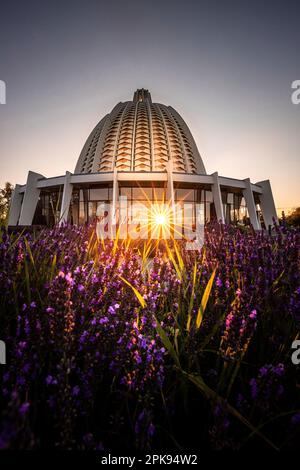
[(234, 207), (86, 203), (191, 204), (48, 207), (135, 204)]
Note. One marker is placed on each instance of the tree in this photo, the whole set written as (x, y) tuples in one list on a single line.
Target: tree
[(294, 218), (5, 198)]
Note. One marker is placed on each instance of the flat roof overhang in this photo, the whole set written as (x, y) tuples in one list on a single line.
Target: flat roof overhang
[(93, 178)]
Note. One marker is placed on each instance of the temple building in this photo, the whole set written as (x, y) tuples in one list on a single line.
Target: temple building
[(144, 152)]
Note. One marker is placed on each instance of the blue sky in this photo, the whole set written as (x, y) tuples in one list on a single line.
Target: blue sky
[(226, 67)]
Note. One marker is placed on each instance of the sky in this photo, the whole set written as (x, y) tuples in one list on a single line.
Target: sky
[(226, 67)]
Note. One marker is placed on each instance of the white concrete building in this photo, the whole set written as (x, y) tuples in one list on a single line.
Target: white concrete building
[(143, 151)]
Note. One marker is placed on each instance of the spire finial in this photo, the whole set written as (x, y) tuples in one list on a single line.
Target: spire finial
[(141, 95)]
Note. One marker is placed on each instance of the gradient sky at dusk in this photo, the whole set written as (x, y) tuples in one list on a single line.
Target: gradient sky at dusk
[(226, 67)]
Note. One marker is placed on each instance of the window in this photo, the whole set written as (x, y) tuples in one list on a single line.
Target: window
[(48, 207), (186, 195), (209, 196), (99, 194), (126, 192), (141, 194), (159, 194)]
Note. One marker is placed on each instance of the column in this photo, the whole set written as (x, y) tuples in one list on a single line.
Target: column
[(66, 199), (170, 190), (216, 190), (267, 203), (249, 198), (30, 200), (114, 204), (15, 206)]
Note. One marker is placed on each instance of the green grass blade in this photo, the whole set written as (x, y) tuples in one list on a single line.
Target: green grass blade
[(177, 268), (212, 395), (191, 304), (167, 343), (140, 298), (204, 299)]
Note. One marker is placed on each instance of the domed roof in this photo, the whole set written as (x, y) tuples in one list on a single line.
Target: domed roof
[(139, 135)]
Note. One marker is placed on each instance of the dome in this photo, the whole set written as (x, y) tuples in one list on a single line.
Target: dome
[(140, 136)]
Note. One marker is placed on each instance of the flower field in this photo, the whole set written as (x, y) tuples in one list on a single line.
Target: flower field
[(111, 345)]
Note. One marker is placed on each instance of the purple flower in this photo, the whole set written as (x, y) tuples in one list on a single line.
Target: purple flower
[(50, 380), (254, 388), (85, 342), (24, 408), (75, 391), (264, 370), (112, 309), (151, 430), (83, 337), (69, 279), (253, 315), (295, 419)]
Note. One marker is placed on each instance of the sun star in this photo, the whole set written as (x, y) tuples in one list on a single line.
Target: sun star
[(160, 219)]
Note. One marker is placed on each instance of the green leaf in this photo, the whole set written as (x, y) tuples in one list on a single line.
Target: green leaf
[(191, 304), (177, 268), (204, 299), (213, 396), (179, 258), (167, 343), (136, 292)]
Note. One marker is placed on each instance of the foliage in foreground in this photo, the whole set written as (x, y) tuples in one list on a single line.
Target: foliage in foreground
[(293, 218), (108, 349), (5, 199)]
